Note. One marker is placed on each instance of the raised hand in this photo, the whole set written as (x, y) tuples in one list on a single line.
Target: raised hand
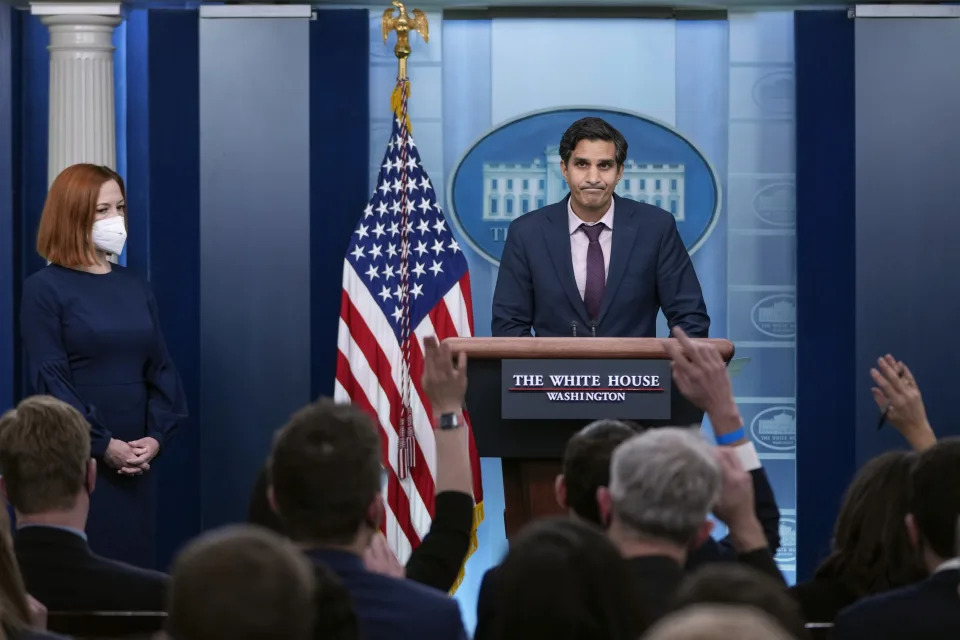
[(701, 376), (444, 384), (898, 394)]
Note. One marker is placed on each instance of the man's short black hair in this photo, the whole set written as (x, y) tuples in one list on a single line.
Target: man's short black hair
[(934, 495), (586, 463), (325, 471), (592, 129)]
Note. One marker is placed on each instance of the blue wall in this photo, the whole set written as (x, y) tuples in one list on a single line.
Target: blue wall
[(826, 322), (339, 138), (254, 247), (907, 194), (170, 96), (284, 112), (877, 151), (8, 52)]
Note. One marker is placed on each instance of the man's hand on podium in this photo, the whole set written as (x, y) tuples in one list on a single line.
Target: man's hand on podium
[(701, 376)]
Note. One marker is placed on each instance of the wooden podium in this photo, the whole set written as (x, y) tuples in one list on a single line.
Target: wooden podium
[(531, 445)]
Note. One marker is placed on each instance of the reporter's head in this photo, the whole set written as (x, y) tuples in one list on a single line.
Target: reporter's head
[(663, 484), (241, 583), (45, 456), (586, 466), (325, 475)]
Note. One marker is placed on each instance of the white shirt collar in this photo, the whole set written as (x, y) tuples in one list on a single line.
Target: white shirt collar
[(952, 563), (573, 222)]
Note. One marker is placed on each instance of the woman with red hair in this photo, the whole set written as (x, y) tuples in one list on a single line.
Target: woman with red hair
[(93, 340)]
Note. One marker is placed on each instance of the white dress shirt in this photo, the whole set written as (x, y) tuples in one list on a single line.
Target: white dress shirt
[(579, 243)]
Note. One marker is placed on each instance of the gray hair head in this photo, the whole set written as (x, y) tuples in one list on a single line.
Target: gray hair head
[(664, 482)]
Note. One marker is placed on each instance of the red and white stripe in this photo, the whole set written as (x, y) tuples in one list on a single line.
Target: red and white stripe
[(369, 363)]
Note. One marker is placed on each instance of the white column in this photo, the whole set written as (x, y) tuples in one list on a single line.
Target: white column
[(82, 120)]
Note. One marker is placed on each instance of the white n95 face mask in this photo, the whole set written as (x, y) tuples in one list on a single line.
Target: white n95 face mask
[(110, 234)]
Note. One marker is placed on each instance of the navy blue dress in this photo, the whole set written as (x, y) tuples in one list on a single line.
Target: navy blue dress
[(94, 341)]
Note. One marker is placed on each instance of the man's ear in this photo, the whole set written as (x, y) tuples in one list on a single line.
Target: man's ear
[(703, 532), (376, 512), (913, 531), (91, 475), (605, 506), (560, 491)]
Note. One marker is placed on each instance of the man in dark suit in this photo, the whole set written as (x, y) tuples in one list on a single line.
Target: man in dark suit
[(326, 486), (48, 477), (595, 263), (929, 609)]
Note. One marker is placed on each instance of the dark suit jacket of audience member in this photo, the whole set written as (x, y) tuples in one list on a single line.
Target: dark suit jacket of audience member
[(61, 571), (435, 563), (390, 608), (928, 610), (822, 599), (656, 578)]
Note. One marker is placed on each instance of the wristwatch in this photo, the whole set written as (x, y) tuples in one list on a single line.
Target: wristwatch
[(449, 421)]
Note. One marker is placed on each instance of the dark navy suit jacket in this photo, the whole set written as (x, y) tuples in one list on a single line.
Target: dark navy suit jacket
[(929, 610), (389, 608), (649, 270), (61, 571)]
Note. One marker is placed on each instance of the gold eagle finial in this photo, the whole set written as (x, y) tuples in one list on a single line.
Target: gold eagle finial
[(403, 24)]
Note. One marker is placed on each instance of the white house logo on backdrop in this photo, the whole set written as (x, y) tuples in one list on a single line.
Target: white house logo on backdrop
[(775, 428), (776, 204), (512, 189), (515, 168), (787, 553), (775, 93), (776, 315)]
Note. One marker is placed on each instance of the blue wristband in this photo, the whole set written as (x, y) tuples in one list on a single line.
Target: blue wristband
[(727, 438)]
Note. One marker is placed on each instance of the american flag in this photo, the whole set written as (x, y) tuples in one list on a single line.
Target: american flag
[(404, 278)]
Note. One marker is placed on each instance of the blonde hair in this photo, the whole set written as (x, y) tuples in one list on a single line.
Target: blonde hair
[(44, 453), (14, 610)]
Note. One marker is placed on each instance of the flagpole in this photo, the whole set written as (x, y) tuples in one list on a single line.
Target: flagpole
[(402, 23)]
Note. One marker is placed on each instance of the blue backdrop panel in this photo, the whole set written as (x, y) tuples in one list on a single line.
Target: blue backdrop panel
[(34, 112), (907, 154), (133, 147), (254, 247), (172, 253), (31, 153), (826, 323), (339, 138), (8, 52)]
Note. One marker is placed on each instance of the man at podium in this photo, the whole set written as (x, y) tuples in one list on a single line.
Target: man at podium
[(568, 270)]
